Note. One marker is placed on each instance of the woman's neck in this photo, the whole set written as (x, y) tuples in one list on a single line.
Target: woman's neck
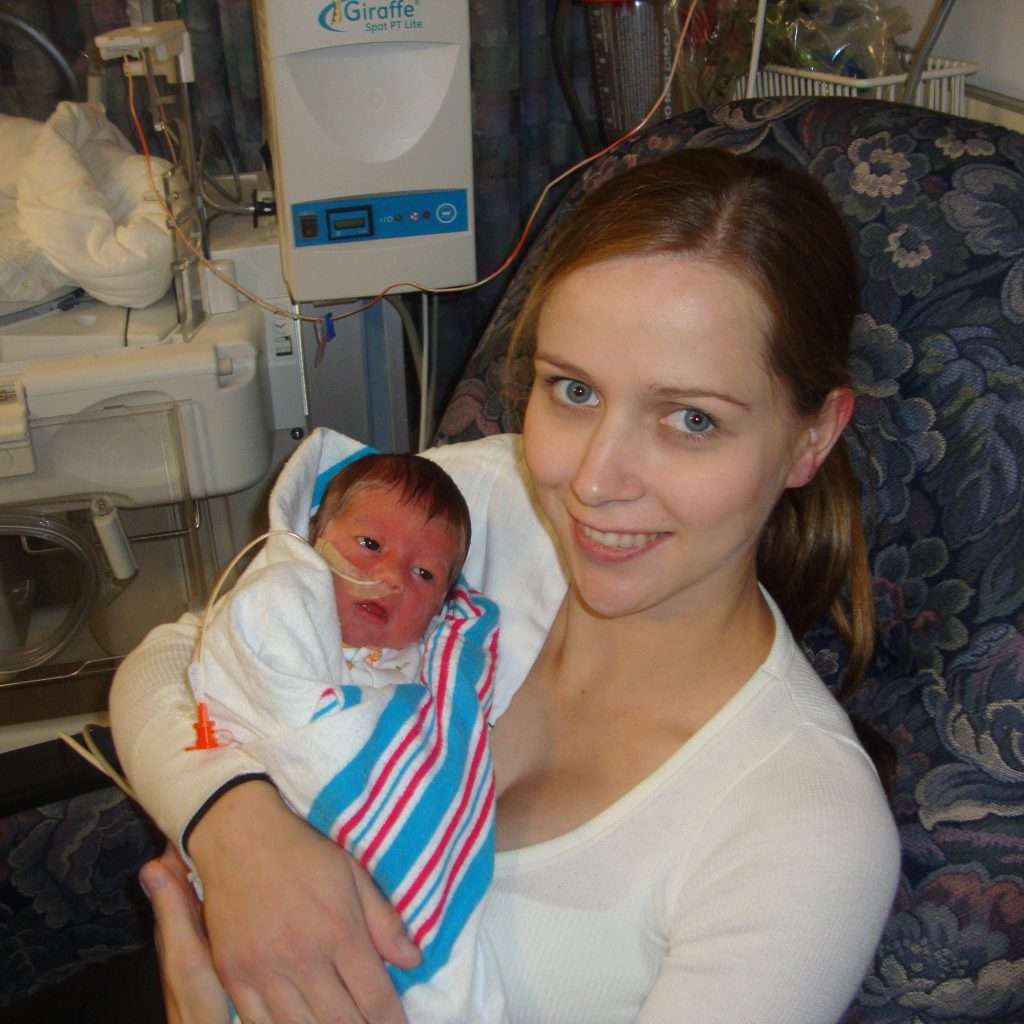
[(712, 647)]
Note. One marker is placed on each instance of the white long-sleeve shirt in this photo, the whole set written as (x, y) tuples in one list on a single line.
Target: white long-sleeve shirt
[(746, 881)]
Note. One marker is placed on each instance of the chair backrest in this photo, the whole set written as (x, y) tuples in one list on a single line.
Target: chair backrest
[(935, 205)]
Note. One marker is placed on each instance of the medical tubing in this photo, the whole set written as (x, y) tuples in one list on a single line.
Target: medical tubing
[(48, 48), (54, 532)]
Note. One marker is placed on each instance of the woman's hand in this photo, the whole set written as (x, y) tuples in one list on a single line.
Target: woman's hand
[(297, 929)]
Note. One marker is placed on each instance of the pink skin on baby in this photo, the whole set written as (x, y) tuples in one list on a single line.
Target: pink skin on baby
[(386, 539)]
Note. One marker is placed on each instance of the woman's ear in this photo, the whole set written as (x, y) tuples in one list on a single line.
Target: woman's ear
[(819, 437)]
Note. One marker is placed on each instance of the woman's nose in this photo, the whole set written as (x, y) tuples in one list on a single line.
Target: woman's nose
[(610, 466)]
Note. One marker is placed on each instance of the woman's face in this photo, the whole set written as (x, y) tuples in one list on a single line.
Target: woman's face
[(657, 441)]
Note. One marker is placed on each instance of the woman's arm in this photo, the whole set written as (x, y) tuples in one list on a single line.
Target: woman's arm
[(292, 921)]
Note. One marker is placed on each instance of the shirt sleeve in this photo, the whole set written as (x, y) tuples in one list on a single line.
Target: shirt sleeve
[(785, 898), (151, 713)]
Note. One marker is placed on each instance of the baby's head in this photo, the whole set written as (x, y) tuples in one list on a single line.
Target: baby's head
[(400, 520)]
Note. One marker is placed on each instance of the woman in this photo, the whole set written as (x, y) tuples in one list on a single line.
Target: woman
[(689, 829)]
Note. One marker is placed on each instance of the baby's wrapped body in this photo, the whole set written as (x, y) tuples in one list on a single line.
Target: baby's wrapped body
[(384, 751)]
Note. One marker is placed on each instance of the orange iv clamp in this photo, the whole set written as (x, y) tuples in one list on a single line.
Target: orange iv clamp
[(205, 728)]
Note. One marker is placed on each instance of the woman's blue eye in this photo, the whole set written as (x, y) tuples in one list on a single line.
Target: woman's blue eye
[(574, 392), (691, 421), (369, 543)]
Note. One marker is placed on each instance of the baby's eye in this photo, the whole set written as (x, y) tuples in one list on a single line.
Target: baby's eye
[(573, 392), (691, 421), (424, 574), (369, 543)]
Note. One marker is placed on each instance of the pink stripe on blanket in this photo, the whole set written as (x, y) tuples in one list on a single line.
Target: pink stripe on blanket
[(469, 786), (413, 733)]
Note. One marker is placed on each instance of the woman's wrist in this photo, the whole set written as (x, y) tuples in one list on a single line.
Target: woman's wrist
[(245, 803), (216, 797)]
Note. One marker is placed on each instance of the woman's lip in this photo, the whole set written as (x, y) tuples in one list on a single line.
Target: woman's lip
[(615, 545)]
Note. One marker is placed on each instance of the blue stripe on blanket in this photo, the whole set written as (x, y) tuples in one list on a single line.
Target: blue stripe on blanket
[(413, 756), (465, 899), (479, 795), (351, 781), (421, 824), (325, 476), (350, 697)]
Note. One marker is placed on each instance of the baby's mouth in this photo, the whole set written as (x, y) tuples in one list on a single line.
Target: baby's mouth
[(374, 610)]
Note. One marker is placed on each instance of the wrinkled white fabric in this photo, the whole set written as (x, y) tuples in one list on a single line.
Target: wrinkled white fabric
[(77, 209)]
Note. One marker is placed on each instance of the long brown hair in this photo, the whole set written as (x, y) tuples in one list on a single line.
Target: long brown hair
[(776, 229)]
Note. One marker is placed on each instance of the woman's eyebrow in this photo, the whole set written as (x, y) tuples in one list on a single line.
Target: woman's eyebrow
[(667, 393), (559, 364)]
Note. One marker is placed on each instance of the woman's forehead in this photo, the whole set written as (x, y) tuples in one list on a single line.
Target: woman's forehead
[(665, 318)]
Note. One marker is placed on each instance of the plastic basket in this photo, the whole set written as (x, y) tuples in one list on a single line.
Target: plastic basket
[(941, 86)]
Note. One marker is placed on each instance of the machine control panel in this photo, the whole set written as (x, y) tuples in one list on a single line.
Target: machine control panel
[(397, 215)]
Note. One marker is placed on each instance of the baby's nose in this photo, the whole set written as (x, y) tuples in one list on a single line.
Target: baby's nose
[(391, 575)]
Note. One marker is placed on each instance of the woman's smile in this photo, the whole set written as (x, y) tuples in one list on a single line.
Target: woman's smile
[(615, 545)]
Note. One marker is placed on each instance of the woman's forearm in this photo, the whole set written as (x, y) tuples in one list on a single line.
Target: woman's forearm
[(151, 713)]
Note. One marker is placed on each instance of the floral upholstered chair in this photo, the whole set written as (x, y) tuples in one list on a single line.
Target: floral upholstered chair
[(935, 206)]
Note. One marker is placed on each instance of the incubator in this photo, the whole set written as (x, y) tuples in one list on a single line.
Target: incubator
[(123, 423)]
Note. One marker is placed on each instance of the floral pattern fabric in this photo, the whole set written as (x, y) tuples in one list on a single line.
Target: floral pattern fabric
[(935, 206)]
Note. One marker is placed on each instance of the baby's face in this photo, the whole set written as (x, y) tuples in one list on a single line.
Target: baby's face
[(394, 543)]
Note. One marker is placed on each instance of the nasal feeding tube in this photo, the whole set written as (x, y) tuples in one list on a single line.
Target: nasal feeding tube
[(205, 727)]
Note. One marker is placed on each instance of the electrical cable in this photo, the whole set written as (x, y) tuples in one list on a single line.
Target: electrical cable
[(563, 11), (214, 132), (187, 242), (435, 329), (424, 427), (51, 51), (412, 335)]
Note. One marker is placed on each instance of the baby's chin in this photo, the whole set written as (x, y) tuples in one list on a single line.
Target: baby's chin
[(363, 626)]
